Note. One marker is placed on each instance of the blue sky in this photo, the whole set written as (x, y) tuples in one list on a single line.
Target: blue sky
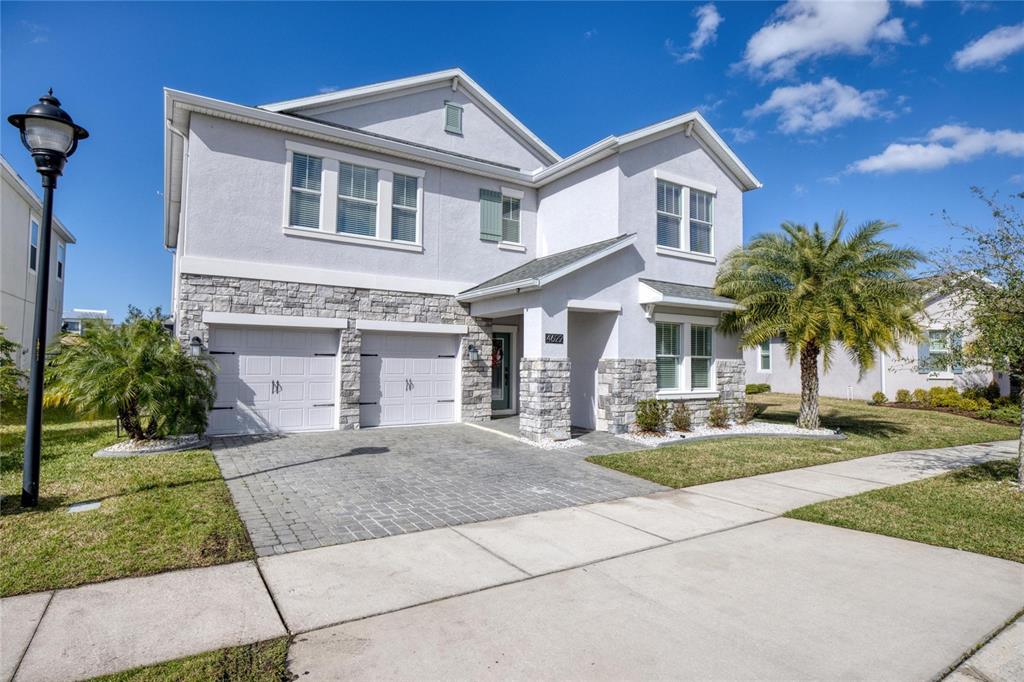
[(886, 110)]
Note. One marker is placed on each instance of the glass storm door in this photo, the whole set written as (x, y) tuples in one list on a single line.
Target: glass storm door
[(501, 371)]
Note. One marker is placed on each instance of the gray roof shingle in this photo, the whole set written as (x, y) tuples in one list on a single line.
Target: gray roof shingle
[(539, 267), (686, 291)]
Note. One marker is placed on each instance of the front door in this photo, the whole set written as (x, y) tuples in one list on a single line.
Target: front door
[(501, 372)]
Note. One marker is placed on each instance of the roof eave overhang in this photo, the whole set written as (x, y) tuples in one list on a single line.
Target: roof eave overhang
[(648, 295)]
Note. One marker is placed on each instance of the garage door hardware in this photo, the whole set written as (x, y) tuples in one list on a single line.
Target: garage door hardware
[(222, 352), (446, 356), (449, 400), (323, 355), (275, 386), (409, 385), (229, 407), (323, 405), (373, 403), (367, 355)]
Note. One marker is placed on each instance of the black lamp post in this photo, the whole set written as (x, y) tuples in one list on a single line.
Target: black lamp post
[(50, 135)]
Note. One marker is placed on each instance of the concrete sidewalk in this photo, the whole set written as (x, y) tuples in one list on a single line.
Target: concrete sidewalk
[(680, 584)]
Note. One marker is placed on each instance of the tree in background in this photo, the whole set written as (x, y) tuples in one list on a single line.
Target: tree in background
[(820, 291), (136, 370), (984, 279), (12, 388)]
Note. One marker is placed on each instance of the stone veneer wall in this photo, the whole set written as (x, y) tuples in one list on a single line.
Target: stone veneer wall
[(544, 398), (272, 297), (622, 382)]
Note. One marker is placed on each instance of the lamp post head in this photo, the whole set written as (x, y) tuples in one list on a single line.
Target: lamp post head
[(49, 134), (195, 346)]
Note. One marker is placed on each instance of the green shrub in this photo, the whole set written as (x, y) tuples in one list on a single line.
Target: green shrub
[(753, 389), (12, 379), (966, 404), (1005, 401), (939, 396), (718, 415), (878, 398), (983, 403), (920, 395), (1010, 414), (903, 396), (651, 415), (752, 411), (681, 420)]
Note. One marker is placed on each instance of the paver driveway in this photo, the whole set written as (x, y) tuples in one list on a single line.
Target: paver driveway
[(302, 491)]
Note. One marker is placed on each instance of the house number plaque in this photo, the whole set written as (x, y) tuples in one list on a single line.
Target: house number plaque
[(554, 338)]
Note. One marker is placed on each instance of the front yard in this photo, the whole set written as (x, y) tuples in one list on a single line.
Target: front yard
[(870, 430), (157, 512)]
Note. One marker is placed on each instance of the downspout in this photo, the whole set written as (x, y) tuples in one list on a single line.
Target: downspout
[(881, 369), (175, 274)]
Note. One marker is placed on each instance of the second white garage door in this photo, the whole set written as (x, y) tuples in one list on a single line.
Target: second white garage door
[(407, 379)]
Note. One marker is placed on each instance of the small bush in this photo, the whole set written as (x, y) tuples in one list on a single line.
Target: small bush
[(983, 403), (920, 395), (752, 411), (989, 392), (1004, 401), (718, 415), (681, 420), (753, 389), (651, 415), (903, 396), (878, 398), (966, 404), (1010, 414), (939, 396)]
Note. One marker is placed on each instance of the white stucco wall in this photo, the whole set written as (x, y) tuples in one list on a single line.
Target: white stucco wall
[(581, 208), (419, 117), (17, 282), (235, 210)]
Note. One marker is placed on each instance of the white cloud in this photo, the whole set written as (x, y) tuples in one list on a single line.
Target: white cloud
[(587, 35), (968, 5), (942, 146), (991, 48), (816, 107), (324, 89), (741, 135), (799, 190), (37, 33), (802, 30), (708, 21), (1016, 179), (914, 3), (709, 104)]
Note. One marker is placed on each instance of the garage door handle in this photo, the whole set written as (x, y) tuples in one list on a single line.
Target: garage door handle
[(230, 407), (449, 400), (222, 352), (323, 405), (323, 355)]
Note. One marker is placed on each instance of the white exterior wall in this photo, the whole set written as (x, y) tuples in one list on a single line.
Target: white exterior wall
[(18, 294), (579, 209), (419, 117), (235, 210)]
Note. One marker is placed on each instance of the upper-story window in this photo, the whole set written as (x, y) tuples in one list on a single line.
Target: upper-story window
[(670, 214), (403, 208), (701, 219), (501, 218), (685, 217), (307, 174), (764, 356), (357, 200), (510, 219), (33, 243), (61, 255), (452, 118)]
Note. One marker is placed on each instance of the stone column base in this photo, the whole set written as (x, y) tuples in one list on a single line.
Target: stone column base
[(544, 400), (621, 382)]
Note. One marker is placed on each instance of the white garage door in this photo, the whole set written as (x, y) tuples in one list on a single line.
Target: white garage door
[(273, 380), (407, 379)]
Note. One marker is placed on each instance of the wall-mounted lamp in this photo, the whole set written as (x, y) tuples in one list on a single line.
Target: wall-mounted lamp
[(473, 352), (195, 346)]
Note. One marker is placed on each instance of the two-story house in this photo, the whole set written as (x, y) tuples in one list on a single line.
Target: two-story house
[(410, 253), (20, 214)]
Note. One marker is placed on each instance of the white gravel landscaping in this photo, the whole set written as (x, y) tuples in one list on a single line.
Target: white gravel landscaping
[(127, 448), (754, 428)]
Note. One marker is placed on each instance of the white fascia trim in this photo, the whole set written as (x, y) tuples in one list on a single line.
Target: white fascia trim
[(680, 319), (26, 193), (684, 254), (697, 303), (358, 159), (670, 393), (512, 246), (685, 181), (410, 327), (538, 282), (197, 265), (512, 193), (313, 233), (461, 79), (594, 306), (254, 320)]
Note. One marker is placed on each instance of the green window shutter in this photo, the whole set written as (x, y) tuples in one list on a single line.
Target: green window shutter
[(490, 215), (452, 118)]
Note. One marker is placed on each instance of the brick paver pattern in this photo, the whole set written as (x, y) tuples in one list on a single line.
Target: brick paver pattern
[(302, 491)]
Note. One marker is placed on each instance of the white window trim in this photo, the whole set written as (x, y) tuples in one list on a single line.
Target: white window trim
[(329, 198), (61, 261), (940, 374), (683, 368), (681, 216), (759, 355), (684, 228), (33, 218), (514, 246)]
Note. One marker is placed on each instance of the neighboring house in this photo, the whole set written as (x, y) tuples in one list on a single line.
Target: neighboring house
[(20, 212), (410, 253), (77, 319), (918, 365)]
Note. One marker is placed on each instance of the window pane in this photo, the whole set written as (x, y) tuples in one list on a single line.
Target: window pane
[(510, 219), (668, 370), (700, 341), (666, 338), (669, 198), (357, 217), (357, 181), (404, 191), (700, 237), (700, 206), (306, 171), (700, 372), (305, 209), (668, 231), (403, 224)]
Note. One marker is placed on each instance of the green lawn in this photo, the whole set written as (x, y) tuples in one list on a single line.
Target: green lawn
[(870, 430), (158, 512), (260, 662), (979, 509)]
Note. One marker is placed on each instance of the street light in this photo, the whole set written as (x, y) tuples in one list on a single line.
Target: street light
[(50, 135)]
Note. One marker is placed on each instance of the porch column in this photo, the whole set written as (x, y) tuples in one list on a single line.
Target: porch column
[(544, 400)]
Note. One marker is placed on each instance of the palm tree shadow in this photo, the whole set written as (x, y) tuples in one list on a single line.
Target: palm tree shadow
[(853, 425)]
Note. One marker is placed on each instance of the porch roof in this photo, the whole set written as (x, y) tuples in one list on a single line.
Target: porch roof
[(688, 295)]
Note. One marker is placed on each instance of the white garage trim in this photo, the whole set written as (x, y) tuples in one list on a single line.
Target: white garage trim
[(253, 320), (411, 327)]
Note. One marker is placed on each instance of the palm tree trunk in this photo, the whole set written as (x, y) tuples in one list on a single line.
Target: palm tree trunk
[(808, 418)]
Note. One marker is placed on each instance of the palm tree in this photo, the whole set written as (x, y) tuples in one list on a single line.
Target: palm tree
[(822, 292), (136, 370)]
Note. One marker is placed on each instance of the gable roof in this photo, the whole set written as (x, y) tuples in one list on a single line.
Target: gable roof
[(536, 273), (673, 293), (456, 77), (26, 193)]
